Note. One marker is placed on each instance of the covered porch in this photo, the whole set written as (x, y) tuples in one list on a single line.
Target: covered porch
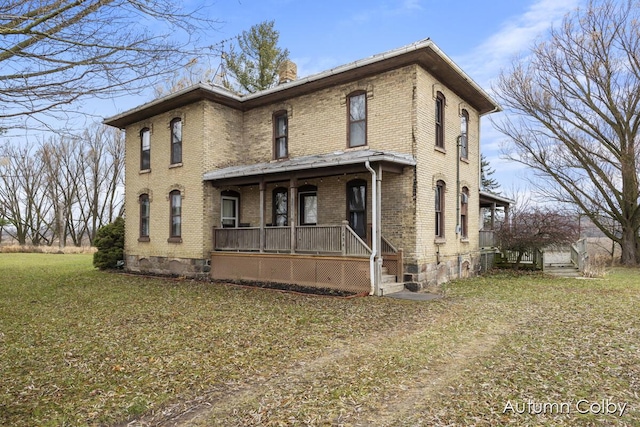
[(313, 221)]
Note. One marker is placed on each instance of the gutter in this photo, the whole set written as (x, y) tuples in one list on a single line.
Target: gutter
[(374, 231)]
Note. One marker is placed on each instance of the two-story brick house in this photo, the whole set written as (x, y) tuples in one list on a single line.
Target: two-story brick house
[(343, 179)]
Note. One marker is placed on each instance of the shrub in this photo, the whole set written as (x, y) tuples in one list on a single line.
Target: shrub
[(110, 243)]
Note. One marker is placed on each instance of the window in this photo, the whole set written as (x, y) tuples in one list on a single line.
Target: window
[(280, 135), (144, 217), (176, 141), (357, 206), (230, 203), (439, 208), (440, 103), (464, 132), (175, 201), (280, 207), (357, 119), (464, 213), (145, 149), (308, 195)]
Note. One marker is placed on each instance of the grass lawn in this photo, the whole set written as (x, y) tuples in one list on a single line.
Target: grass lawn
[(83, 347)]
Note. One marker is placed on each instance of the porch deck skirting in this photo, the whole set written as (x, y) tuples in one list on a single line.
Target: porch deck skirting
[(350, 274)]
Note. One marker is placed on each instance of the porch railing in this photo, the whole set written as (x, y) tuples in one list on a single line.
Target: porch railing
[(319, 239), (487, 238), (532, 256), (579, 254)]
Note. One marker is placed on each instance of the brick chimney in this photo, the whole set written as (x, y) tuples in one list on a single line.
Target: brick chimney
[(288, 71)]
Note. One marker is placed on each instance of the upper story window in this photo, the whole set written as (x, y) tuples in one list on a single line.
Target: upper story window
[(308, 195), (439, 209), (280, 135), (464, 135), (175, 201), (280, 207), (357, 105), (464, 213), (145, 149), (440, 103), (176, 141), (144, 217)]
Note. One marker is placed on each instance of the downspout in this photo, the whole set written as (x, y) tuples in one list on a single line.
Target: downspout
[(374, 231), (459, 140)]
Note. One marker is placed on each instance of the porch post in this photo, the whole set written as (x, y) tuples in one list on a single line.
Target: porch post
[(493, 216), (378, 223), (293, 187), (262, 209)]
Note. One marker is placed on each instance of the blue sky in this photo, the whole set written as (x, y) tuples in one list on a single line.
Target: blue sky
[(480, 36)]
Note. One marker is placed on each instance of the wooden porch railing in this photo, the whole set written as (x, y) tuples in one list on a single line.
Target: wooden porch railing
[(579, 254), (319, 239), (487, 239), (532, 256)]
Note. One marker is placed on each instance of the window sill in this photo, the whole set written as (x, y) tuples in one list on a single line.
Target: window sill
[(174, 240), (440, 149), (464, 240), (464, 160), (358, 147), (175, 165), (144, 239), (280, 159), (440, 240), (143, 171)]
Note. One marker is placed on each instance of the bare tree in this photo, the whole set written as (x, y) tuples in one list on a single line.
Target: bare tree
[(575, 116), (23, 196), (84, 178), (56, 52), (535, 229), (103, 177)]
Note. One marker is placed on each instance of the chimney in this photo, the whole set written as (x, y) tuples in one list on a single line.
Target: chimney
[(288, 72)]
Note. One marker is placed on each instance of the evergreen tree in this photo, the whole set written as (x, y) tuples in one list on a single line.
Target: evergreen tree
[(255, 66), (487, 182)]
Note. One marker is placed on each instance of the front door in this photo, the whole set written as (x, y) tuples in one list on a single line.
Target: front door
[(357, 206)]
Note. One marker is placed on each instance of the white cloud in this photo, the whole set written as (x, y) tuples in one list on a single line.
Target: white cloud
[(515, 36)]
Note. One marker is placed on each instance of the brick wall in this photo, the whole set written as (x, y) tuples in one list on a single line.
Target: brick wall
[(400, 114)]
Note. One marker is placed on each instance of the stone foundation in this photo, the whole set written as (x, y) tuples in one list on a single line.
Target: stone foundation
[(421, 276), (186, 267)]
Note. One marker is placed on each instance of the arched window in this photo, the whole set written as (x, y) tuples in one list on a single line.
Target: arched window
[(176, 141), (145, 149), (357, 119), (280, 207), (175, 209), (143, 200), (464, 135), (464, 213), (357, 206), (440, 104), (308, 205), (439, 209)]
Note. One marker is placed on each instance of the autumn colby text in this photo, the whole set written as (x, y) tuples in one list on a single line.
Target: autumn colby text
[(583, 406)]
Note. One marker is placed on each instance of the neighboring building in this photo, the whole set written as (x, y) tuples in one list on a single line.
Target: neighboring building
[(319, 181)]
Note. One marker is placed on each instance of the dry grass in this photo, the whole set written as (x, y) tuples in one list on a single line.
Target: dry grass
[(82, 347), (12, 249)]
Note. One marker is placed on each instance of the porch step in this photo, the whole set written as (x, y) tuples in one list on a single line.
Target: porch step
[(562, 270), (390, 287), (388, 278)]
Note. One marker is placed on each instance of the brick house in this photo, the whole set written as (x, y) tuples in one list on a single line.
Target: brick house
[(355, 178)]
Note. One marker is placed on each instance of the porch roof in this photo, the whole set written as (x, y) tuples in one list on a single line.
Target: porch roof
[(487, 199), (315, 165)]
